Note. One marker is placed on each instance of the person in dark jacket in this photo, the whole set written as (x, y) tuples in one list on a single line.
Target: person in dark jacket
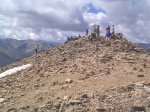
[(36, 49)]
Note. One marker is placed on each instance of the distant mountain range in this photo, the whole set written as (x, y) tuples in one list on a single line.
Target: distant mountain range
[(144, 45), (12, 50)]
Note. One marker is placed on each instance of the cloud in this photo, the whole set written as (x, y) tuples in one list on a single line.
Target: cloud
[(40, 16), (60, 19), (56, 19)]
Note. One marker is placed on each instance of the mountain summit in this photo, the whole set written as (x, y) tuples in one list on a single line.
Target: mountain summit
[(80, 76)]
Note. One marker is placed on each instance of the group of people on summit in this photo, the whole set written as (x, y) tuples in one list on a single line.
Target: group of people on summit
[(95, 32)]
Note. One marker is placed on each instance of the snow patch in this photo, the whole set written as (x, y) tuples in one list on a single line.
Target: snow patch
[(14, 70)]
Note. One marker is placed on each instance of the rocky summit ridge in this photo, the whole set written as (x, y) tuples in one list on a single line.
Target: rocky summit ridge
[(80, 76)]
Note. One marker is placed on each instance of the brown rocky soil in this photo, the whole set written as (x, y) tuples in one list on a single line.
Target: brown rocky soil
[(80, 76)]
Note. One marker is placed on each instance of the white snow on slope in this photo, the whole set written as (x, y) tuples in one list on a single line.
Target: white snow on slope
[(14, 70)]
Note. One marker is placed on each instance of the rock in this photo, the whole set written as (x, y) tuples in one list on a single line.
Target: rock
[(40, 99), (148, 98), (67, 97), (12, 110), (64, 87), (138, 109), (29, 109), (85, 101), (90, 73), (25, 107), (57, 105), (1, 106), (109, 97), (130, 87), (147, 89), (2, 100), (46, 74), (141, 70), (61, 107), (91, 95), (140, 75), (54, 83), (68, 80), (75, 102), (70, 109), (98, 109), (139, 84), (84, 95), (64, 59)]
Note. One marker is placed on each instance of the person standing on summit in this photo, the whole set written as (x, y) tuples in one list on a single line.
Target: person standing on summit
[(36, 49), (108, 28), (113, 30), (87, 31), (108, 34), (97, 31)]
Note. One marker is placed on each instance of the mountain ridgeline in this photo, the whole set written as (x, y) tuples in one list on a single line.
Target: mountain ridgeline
[(80, 75), (12, 50)]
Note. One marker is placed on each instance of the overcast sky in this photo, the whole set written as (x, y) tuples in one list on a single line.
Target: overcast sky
[(54, 20)]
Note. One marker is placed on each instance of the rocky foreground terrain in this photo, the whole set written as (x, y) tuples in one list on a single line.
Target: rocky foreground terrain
[(80, 76)]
